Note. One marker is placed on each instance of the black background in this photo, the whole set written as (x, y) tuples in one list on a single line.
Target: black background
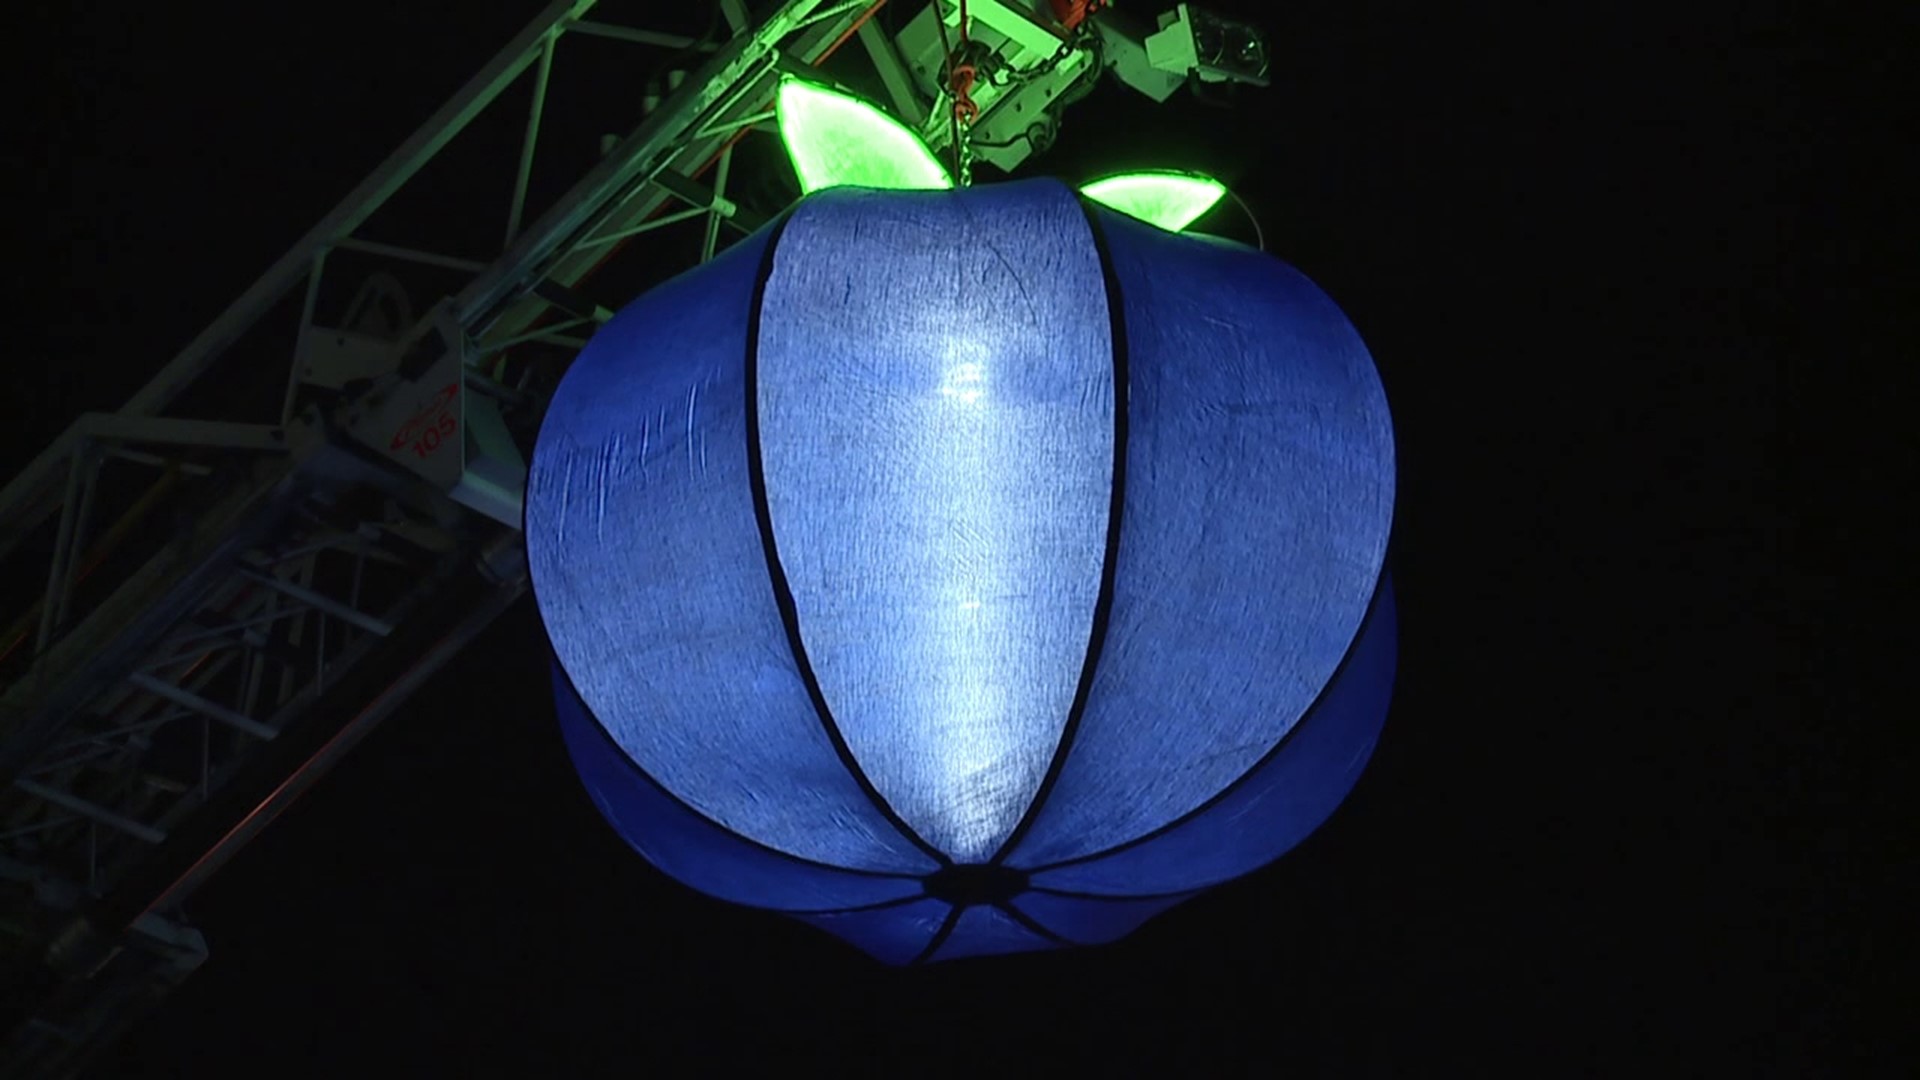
[(1607, 827)]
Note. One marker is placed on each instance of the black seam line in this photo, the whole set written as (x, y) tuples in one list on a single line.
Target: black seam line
[(1070, 894), (621, 754), (881, 905), (1103, 605), (940, 937), (1307, 717), (1033, 925), (776, 571), (533, 587)]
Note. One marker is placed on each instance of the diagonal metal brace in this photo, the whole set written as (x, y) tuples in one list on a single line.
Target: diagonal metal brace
[(187, 699)]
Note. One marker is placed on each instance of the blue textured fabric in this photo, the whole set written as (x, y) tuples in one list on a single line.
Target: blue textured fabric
[(987, 931), (699, 853), (1259, 494), (1086, 921), (829, 573), (650, 574), (892, 935), (937, 428), (1274, 807)]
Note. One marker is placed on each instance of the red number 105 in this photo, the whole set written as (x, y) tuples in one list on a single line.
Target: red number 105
[(431, 438)]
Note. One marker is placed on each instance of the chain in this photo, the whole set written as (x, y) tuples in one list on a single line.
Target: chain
[(1004, 76), (963, 74)]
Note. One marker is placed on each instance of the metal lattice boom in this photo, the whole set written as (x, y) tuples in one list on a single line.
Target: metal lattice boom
[(224, 607)]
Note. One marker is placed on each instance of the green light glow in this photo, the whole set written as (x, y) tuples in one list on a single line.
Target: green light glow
[(1170, 200), (834, 139)]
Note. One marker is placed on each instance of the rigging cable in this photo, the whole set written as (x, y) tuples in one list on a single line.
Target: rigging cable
[(1259, 235)]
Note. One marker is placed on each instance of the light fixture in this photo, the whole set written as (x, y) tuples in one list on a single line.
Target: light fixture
[(967, 571), (834, 139), (1170, 200)]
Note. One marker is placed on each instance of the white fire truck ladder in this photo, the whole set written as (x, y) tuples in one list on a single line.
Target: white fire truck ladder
[(221, 608)]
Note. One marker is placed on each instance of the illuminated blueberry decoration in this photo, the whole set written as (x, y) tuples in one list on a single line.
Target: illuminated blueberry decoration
[(968, 571)]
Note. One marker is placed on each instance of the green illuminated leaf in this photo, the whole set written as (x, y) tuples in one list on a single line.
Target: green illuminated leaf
[(1170, 200), (834, 139)]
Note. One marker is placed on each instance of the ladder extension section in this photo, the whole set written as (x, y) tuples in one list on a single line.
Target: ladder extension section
[(219, 609)]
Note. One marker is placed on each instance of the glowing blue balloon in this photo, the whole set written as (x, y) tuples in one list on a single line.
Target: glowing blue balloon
[(968, 572)]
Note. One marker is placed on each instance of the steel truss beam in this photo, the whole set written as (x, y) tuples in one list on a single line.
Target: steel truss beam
[(266, 589)]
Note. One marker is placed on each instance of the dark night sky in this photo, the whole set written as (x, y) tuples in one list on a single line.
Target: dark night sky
[(1590, 838)]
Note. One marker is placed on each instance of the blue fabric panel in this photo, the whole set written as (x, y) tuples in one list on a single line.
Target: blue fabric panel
[(988, 931), (937, 429), (1092, 922), (651, 576), (894, 935), (1259, 494), (692, 849), (1276, 806)]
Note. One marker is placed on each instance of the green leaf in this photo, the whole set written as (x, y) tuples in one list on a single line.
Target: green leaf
[(1171, 200), (835, 139)]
